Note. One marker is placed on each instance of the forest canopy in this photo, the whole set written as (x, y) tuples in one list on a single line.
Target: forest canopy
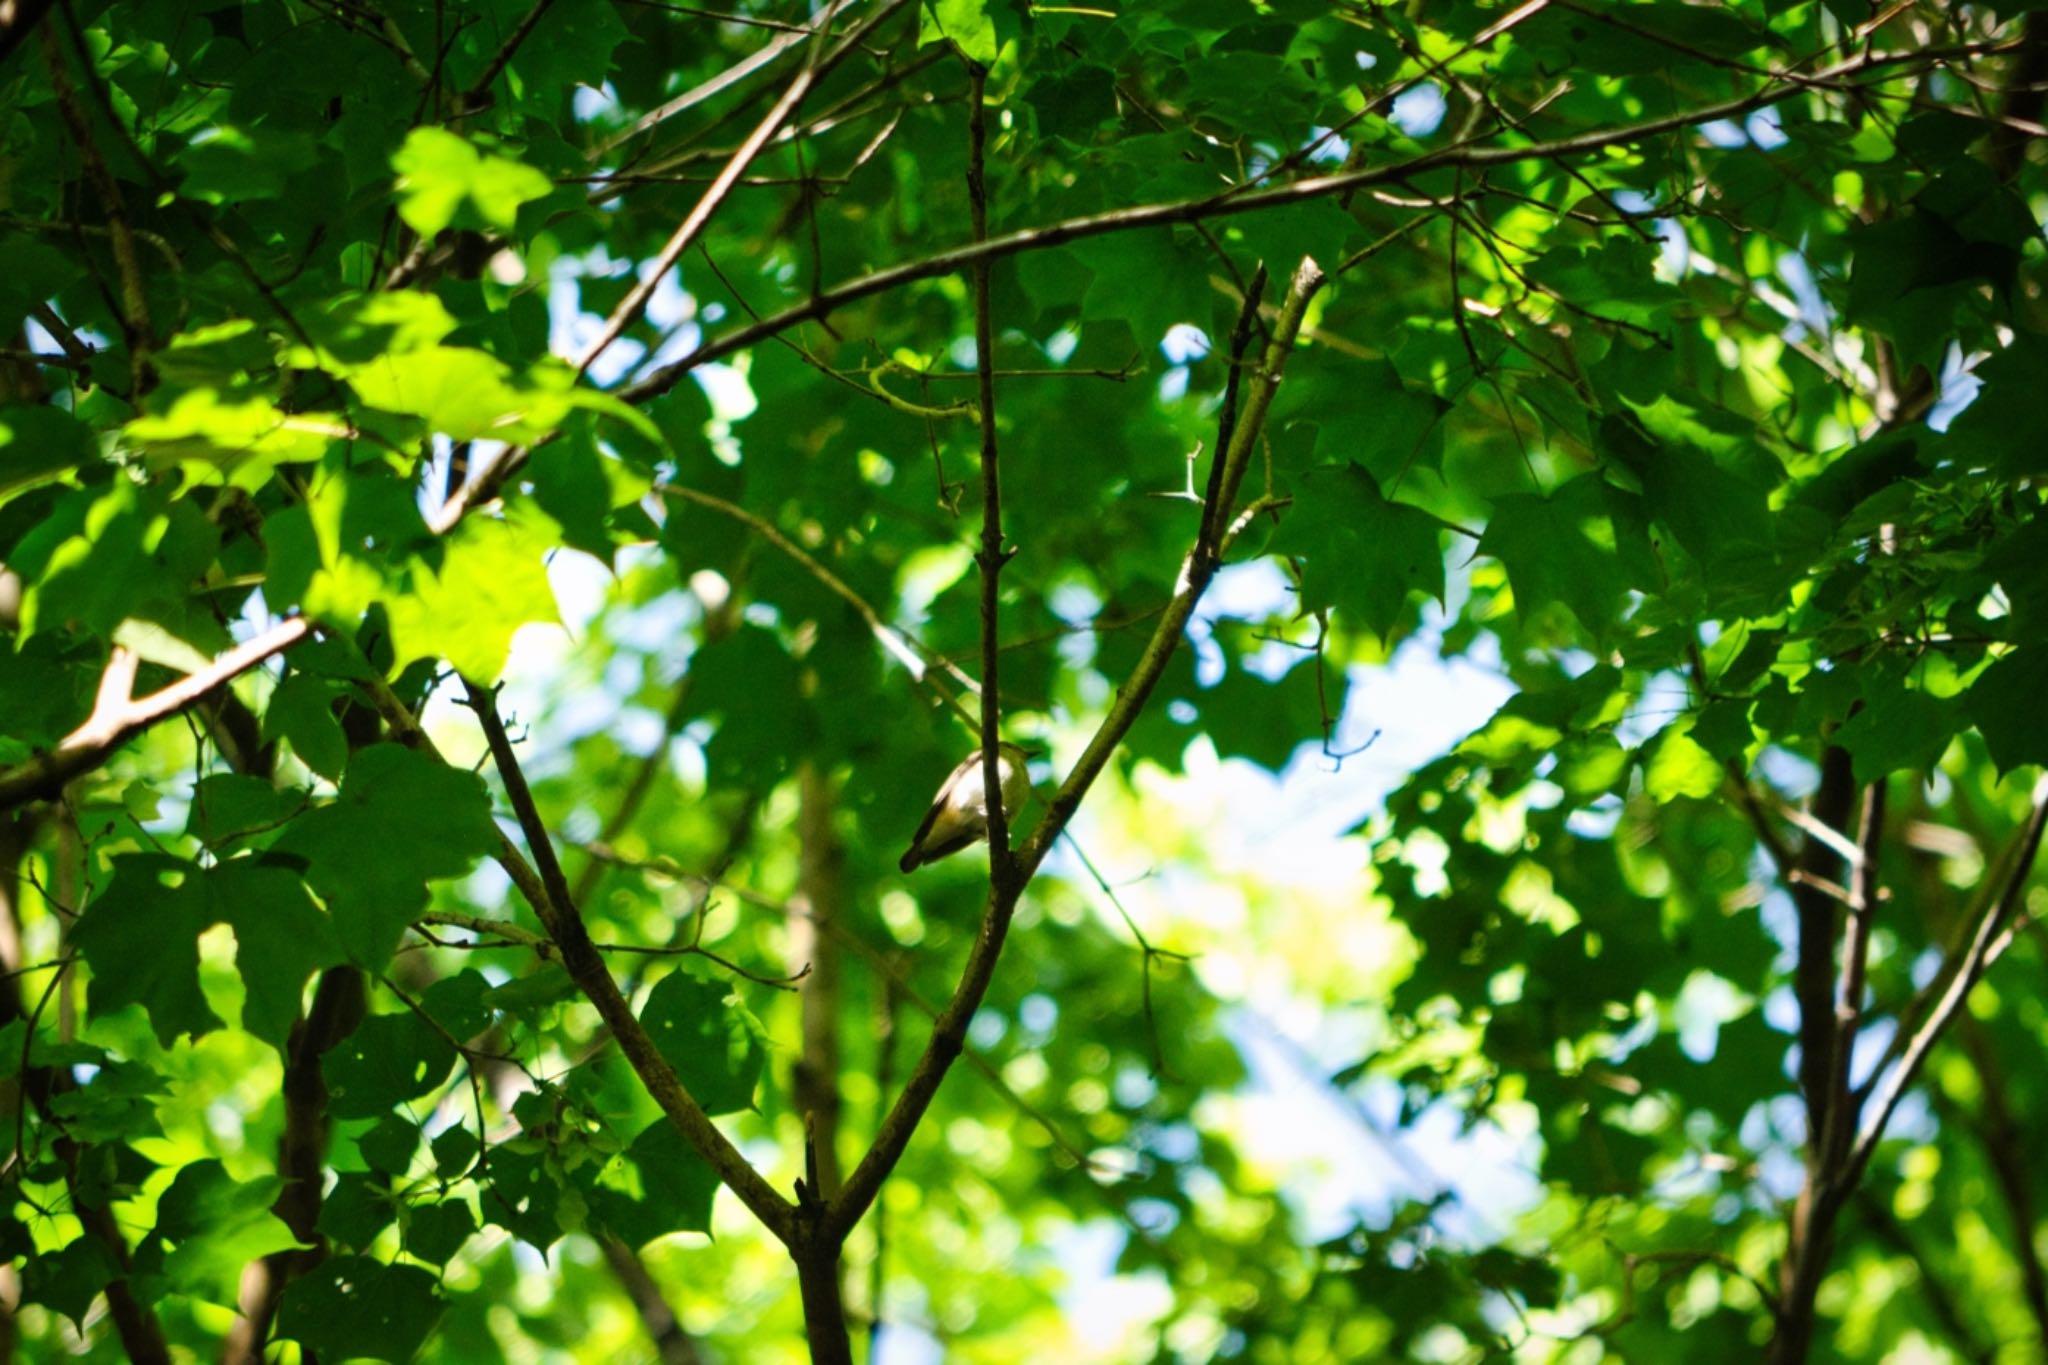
[(1510, 535)]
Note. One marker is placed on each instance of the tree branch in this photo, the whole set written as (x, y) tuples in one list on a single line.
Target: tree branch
[(485, 483), (1001, 865), (630, 307), (1861, 904), (2007, 1145), (1194, 577), (118, 717), (672, 1344), (732, 75), (1968, 971), (480, 88), (1783, 87), (549, 895), (950, 1031)]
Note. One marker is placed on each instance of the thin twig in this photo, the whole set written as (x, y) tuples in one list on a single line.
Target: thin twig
[(1300, 191), (919, 661), (630, 307)]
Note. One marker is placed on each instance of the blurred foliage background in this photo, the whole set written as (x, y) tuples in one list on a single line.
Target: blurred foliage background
[(1570, 898)]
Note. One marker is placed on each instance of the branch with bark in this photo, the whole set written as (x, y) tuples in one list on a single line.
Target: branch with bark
[(1777, 89), (949, 1033), (546, 888), (118, 715)]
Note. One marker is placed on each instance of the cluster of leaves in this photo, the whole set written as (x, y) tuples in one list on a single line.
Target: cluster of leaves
[(1622, 381)]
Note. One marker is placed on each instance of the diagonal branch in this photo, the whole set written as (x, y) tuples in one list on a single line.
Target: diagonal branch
[(631, 306), (1207, 546), (1206, 207), (480, 88), (1194, 576), (485, 483), (731, 76), (117, 716), (1861, 904), (564, 923), (1968, 971), (950, 1031), (547, 890)]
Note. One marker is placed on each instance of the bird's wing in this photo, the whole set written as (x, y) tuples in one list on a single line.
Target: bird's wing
[(918, 853)]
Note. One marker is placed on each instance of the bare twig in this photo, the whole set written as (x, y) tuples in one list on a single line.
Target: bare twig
[(729, 77), (630, 307)]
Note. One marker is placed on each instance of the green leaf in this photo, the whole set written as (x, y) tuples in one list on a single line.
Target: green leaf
[(443, 179), (660, 1185), (1559, 548), (492, 579), (1899, 728), (709, 1038), (580, 487), (209, 1227), (140, 937), (391, 1145), (1364, 555), (389, 1059), (243, 438), (1365, 413), (1680, 766), (435, 1232), (351, 1307), (281, 939), (71, 1277), (466, 394), (39, 444), (236, 164), (965, 23), (2003, 702), (401, 820), (545, 986), (1723, 729), (360, 1206), (301, 712), (229, 806)]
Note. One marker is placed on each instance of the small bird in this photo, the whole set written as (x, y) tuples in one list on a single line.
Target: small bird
[(959, 813)]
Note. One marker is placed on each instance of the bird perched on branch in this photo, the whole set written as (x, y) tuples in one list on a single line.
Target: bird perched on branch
[(959, 813)]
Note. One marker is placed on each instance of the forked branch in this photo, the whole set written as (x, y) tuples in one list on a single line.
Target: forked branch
[(950, 1031)]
